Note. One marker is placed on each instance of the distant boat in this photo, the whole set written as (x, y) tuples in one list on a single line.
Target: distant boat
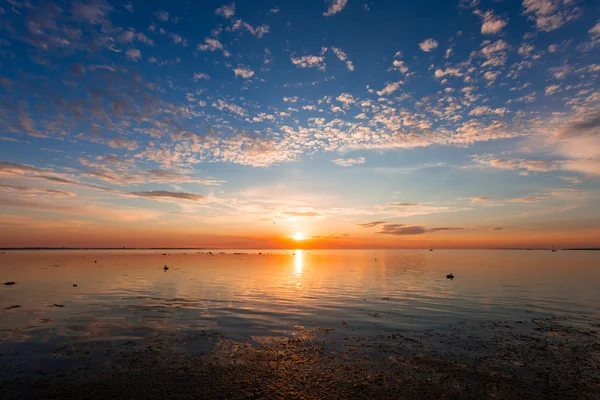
[(553, 249)]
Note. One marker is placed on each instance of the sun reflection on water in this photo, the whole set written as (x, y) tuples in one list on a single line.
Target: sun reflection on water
[(298, 262)]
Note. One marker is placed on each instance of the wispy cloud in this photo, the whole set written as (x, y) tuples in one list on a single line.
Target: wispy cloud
[(166, 195), (404, 230), (349, 162), (371, 224)]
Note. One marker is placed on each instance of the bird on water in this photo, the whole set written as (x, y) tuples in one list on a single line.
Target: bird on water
[(450, 276), (165, 268)]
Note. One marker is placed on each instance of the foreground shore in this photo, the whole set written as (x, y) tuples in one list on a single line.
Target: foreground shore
[(537, 359)]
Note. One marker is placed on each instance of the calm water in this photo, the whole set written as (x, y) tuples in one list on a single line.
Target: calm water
[(126, 295)]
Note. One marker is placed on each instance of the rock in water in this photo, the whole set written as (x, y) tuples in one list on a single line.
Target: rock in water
[(9, 283)]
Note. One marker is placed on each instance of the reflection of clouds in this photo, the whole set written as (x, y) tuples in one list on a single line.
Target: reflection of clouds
[(298, 261)]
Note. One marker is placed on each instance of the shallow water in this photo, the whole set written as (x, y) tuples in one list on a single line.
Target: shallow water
[(299, 324), (126, 295)]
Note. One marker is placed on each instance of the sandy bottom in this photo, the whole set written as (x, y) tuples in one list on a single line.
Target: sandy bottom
[(537, 359)]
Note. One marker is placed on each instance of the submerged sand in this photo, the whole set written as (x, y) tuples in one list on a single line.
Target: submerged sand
[(536, 359)]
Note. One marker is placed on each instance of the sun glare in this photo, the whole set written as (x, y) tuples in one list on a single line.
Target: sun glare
[(299, 236)]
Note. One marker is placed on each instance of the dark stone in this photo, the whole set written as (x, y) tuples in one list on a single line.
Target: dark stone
[(9, 283)]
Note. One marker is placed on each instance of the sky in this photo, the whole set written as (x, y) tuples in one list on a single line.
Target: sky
[(357, 124)]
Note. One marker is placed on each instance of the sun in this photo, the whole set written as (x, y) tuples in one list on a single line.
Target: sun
[(299, 236)]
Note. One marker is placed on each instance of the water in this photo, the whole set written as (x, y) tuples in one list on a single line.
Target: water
[(299, 324), (126, 295)]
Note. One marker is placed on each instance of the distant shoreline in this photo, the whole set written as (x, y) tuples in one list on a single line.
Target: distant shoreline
[(260, 248)]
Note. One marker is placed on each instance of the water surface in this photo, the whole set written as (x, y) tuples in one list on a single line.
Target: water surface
[(124, 294)]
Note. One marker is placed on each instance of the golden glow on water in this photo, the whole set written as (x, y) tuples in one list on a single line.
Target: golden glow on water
[(122, 293), (298, 261)]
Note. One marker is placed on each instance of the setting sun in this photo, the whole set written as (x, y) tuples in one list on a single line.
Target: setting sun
[(299, 236)]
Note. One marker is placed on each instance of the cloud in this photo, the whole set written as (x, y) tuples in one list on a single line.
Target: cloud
[(371, 224), (389, 88), (259, 31), (399, 65), (550, 90), (405, 230), (402, 205), (479, 199), (445, 229), (243, 71), (342, 56), (551, 14), (309, 61), (492, 24), (519, 163), (440, 73), (200, 75), (585, 125), (528, 199), (166, 195), (346, 98), (122, 143), (595, 31), (222, 105), (133, 54), (428, 44), (349, 162), (301, 213), (37, 173), (37, 191), (161, 15), (210, 44), (335, 6), (226, 11)]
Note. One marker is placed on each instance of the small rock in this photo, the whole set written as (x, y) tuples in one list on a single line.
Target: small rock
[(9, 283), (74, 285)]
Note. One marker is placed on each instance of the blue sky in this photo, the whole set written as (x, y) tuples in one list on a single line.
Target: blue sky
[(466, 123)]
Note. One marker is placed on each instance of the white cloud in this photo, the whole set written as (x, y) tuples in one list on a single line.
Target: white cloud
[(259, 31), (440, 73), (309, 61), (595, 31), (200, 75), (345, 98), (349, 162), (550, 90), (210, 44), (551, 14), (342, 56), (222, 105), (335, 6), (492, 24), (243, 71), (133, 54), (226, 11), (389, 88), (428, 45), (399, 65)]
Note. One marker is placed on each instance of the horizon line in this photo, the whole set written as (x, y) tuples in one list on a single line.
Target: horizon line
[(290, 248)]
